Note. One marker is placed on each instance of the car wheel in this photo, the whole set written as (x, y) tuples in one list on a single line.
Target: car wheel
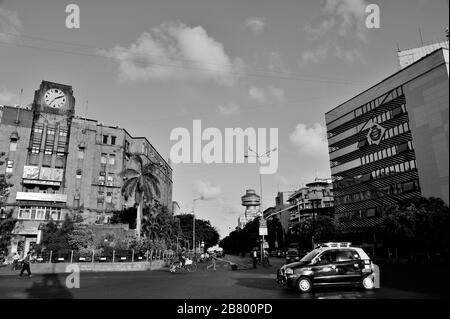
[(368, 283), (304, 284)]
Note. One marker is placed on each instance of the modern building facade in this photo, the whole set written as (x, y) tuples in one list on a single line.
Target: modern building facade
[(390, 143), (60, 163)]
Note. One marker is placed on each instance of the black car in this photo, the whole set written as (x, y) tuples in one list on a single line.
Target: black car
[(292, 255), (332, 264)]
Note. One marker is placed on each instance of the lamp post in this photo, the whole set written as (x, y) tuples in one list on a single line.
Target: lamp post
[(193, 221), (258, 157)]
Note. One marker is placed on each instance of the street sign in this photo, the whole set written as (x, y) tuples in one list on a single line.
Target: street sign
[(262, 227)]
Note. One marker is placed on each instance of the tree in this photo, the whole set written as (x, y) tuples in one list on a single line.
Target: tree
[(320, 229), (204, 231), (7, 225), (81, 237), (55, 237), (143, 184), (419, 225)]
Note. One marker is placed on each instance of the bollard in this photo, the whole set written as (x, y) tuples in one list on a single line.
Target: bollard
[(132, 255), (93, 255), (114, 253), (71, 256), (50, 260), (147, 255)]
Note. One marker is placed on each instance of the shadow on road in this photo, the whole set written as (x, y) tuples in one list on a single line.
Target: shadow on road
[(49, 287)]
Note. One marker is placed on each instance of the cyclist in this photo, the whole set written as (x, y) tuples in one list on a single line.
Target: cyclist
[(182, 259)]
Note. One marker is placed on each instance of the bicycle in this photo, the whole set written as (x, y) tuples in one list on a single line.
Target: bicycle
[(189, 266)]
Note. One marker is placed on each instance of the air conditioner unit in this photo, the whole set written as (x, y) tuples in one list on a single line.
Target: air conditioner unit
[(82, 145)]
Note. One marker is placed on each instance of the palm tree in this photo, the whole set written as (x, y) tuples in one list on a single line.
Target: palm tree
[(143, 184)]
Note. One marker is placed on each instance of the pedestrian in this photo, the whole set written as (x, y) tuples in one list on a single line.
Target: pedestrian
[(15, 258), (213, 261), (255, 257), (266, 258), (26, 264)]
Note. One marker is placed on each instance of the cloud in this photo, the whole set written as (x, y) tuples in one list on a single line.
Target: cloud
[(10, 26), (174, 51), (6, 96), (342, 26), (315, 56), (311, 141), (229, 109), (206, 190), (280, 179), (255, 23), (269, 95)]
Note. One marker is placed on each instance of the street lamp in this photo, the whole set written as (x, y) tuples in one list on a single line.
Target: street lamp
[(258, 157), (193, 220)]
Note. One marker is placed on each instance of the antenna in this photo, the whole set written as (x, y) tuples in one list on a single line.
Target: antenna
[(85, 116), (421, 38), (19, 106)]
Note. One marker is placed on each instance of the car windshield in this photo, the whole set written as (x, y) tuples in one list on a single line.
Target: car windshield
[(310, 255)]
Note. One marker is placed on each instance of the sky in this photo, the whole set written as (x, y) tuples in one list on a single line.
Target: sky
[(155, 66)]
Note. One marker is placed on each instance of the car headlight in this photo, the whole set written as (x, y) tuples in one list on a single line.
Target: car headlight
[(289, 271)]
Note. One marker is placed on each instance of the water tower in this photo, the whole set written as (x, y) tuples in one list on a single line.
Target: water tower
[(251, 202)]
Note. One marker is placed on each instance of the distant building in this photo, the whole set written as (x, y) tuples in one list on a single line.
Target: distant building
[(60, 163), (315, 199), (175, 208), (251, 202), (390, 143)]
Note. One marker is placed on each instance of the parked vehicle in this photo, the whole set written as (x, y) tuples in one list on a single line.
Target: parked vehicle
[(331, 264), (292, 255)]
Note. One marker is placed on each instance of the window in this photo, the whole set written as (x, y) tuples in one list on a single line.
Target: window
[(395, 130), (62, 133), (60, 151), (101, 180), (40, 213), (384, 153), (56, 213), (80, 154), (79, 173), (346, 255), (50, 131), (362, 143), (98, 218), (13, 146), (408, 187), (35, 150), (328, 256), (412, 164), (113, 140), (110, 179), (112, 159), (24, 212), (9, 166), (48, 150), (407, 167), (109, 197), (403, 148), (397, 111), (105, 139), (103, 158)]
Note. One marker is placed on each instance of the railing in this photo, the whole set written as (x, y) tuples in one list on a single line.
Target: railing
[(112, 256)]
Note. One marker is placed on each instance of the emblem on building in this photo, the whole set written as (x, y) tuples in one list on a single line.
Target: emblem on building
[(375, 134)]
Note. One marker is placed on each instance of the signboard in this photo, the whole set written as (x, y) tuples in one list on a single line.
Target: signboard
[(39, 182), (44, 197), (262, 227), (30, 172), (265, 245), (51, 174)]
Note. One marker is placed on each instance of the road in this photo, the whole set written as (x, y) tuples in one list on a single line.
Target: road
[(161, 284)]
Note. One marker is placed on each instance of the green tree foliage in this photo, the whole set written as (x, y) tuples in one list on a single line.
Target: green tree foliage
[(81, 237), (6, 225), (243, 240)]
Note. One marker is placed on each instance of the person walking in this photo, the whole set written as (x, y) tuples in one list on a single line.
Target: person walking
[(26, 265), (255, 257), (213, 261), (15, 258), (266, 258)]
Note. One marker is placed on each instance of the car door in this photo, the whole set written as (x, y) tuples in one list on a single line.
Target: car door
[(349, 266), (324, 269)]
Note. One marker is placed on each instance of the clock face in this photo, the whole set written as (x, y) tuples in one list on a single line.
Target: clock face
[(55, 98)]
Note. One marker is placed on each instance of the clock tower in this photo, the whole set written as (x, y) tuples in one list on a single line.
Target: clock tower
[(54, 98)]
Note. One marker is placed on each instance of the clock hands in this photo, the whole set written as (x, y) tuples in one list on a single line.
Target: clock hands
[(56, 98)]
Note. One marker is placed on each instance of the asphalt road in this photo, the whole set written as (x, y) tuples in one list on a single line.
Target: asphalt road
[(161, 284)]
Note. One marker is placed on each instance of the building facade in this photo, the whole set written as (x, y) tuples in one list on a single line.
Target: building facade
[(390, 143), (314, 199), (60, 163)]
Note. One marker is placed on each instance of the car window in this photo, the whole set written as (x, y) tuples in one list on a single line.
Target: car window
[(328, 256), (346, 255), (311, 255)]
